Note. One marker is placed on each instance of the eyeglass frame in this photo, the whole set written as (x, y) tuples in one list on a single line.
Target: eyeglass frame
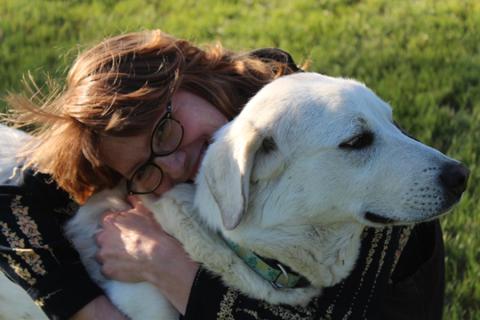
[(150, 161)]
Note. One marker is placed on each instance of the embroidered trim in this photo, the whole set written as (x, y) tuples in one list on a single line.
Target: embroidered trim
[(404, 236), (30, 229), (383, 253), (226, 306), (41, 300), (378, 235), (26, 223), (21, 272), (29, 256)]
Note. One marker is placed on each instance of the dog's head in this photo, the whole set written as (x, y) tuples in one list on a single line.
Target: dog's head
[(311, 149)]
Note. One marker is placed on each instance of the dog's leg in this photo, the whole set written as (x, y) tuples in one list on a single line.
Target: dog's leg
[(174, 211), (138, 301)]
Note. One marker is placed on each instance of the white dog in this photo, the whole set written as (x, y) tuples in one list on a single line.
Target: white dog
[(309, 162)]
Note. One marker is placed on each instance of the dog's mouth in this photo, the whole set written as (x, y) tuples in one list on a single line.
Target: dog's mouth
[(375, 218)]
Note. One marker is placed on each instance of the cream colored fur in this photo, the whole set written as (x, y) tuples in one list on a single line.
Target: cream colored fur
[(277, 181)]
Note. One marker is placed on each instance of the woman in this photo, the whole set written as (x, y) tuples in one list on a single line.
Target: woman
[(142, 107)]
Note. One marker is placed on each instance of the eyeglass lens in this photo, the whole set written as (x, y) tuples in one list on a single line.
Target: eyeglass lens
[(166, 138)]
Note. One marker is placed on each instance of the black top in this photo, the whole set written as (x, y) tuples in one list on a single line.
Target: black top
[(32, 216), (381, 286)]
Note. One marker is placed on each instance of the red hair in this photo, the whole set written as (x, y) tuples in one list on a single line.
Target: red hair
[(114, 88)]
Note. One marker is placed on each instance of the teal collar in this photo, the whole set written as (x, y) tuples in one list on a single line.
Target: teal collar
[(278, 275)]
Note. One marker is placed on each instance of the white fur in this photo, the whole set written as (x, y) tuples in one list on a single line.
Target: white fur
[(16, 304), (11, 141), (276, 181)]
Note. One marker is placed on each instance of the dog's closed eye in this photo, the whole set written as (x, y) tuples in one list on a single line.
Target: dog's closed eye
[(357, 142)]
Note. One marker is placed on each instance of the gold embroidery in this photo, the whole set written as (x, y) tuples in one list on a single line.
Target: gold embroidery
[(348, 314), (34, 261), (26, 223), (386, 244), (295, 313), (252, 313), (13, 240), (329, 311), (226, 306), (21, 272), (231, 306), (17, 244), (404, 236), (378, 234), (41, 301)]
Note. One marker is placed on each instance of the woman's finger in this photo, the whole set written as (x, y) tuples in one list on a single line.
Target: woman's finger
[(111, 216), (138, 205)]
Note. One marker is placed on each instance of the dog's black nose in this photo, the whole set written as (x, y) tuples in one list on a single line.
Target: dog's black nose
[(454, 177)]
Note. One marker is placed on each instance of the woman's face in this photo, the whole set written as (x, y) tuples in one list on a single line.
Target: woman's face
[(200, 120)]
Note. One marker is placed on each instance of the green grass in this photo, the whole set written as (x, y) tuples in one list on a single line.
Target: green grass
[(421, 56)]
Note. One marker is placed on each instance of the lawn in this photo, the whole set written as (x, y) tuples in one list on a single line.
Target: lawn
[(423, 57)]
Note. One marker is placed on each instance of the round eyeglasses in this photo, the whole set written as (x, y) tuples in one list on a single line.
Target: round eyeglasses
[(166, 138)]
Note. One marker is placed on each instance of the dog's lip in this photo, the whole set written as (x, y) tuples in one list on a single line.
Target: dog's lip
[(376, 218)]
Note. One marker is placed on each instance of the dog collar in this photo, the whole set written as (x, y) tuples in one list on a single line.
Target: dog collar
[(279, 276)]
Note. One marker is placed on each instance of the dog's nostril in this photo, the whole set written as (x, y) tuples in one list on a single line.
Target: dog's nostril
[(454, 178)]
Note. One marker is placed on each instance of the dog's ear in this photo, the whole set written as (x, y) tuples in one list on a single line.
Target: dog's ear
[(227, 170)]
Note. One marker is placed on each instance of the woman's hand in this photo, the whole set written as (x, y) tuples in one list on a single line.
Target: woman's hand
[(133, 247), (128, 241)]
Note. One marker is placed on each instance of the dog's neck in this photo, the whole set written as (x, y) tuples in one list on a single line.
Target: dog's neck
[(324, 255), (270, 270)]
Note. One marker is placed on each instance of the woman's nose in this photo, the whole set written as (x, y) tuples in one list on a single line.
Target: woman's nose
[(173, 165)]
